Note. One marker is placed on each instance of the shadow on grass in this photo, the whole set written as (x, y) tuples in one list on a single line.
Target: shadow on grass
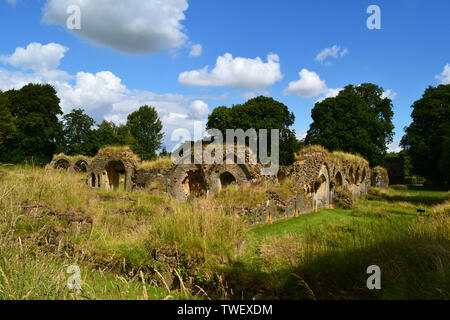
[(411, 268), (426, 197)]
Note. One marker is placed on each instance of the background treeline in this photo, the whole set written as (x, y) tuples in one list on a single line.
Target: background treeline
[(358, 120), (33, 128)]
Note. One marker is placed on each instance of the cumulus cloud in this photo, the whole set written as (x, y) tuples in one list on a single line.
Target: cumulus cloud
[(310, 86), (444, 77), (236, 72), (334, 52), (198, 110), (132, 26), (37, 57), (196, 50)]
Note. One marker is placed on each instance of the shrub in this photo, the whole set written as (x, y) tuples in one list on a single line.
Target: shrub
[(343, 198)]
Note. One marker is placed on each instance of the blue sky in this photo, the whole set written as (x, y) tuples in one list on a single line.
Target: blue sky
[(129, 53)]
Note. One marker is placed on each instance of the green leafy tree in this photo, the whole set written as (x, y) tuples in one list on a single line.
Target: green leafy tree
[(108, 134), (145, 127), (357, 120), (78, 134), (258, 113), (8, 129), (35, 108), (427, 139)]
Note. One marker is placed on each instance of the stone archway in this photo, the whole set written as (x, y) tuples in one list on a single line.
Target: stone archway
[(115, 175), (80, 166), (338, 181), (194, 184), (226, 179), (322, 188), (62, 164), (93, 180)]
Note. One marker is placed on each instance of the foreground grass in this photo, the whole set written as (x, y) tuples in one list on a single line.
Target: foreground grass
[(139, 246)]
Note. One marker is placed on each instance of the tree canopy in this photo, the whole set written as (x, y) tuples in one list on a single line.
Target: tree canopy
[(427, 139), (258, 113), (357, 120), (79, 138), (30, 120), (146, 128)]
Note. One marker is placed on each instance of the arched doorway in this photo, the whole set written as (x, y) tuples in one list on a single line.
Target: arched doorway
[(322, 192), (226, 179), (116, 175), (350, 176), (80, 166), (338, 179), (194, 184), (62, 164), (93, 180), (281, 176)]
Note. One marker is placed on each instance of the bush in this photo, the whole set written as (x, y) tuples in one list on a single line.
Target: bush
[(343, 198)]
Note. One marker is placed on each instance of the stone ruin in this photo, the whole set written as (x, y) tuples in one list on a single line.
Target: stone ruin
[(315, 175)]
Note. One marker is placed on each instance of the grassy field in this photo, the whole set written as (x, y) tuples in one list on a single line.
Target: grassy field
[(139, 246)]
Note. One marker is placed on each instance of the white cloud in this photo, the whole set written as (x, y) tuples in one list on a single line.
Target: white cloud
[(132, 26), (12, 2), (394, 146), (198, 110), (236, 72), (444, 77), (390, 94), (37, 57), (196, 50), (309, 86), (300, 135), (334, 52)]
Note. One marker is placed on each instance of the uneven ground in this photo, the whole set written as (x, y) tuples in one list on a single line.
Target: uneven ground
[(138, 246)]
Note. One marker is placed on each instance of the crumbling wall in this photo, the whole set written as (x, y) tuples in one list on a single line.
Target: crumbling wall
[(107, 167), (69, 163), (380, 178), (313, 179)]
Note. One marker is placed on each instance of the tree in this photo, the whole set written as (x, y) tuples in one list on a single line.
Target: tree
[(427, 139), (108, 134), (258, 113), (145, 127), (35, 109), (8, 129), (357, 120), (78, 134)]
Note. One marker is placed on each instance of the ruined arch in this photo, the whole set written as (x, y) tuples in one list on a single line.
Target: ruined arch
[(350, 176), (221, 175), (62, 164), (338, 181), (93, 180), (81, 165), (194, 184), (115, 169), (281, 176), (322, 188), (226, 178), (357, 176)]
